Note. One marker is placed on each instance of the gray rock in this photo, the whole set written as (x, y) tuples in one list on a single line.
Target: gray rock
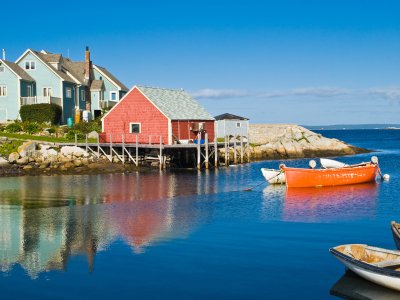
[(93, 135), (3, 162), (27, 148), (22, 161), (12, 158)]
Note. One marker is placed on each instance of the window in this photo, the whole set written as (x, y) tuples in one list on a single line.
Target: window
[(113, 96), (135, 127), (30, 65), (3, 90), (29, 91), (238, 124), (47, 92), (82, 95), (68, 93)]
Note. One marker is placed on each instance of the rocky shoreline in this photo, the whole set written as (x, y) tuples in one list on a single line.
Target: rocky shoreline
[(286, 141)]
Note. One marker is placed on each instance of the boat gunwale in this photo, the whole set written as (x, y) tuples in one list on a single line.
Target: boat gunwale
[(367, 266), (331, 170)]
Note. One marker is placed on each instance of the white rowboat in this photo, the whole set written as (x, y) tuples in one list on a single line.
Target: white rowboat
[(377, 265), (273, 176), (331, 164)]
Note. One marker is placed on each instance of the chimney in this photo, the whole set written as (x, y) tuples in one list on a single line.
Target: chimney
[(4, 54), (88, 81), (87, 65)]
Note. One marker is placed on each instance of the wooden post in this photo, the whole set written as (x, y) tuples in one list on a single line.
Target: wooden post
[(161, 158), (241, 149), (234, 151), (123, 148), (215, 152), (206, 145), (86, 138), (226, 151), (110, 148), (98, 145), (198, 152), (137, 151), (76, 139)]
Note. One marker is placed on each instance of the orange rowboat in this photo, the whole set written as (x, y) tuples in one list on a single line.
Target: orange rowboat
[(297, 177)]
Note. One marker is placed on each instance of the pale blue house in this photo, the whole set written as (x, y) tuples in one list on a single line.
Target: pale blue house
[(44, 77)]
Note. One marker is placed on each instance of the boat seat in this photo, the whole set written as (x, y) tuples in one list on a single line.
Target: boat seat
[(387, 263)]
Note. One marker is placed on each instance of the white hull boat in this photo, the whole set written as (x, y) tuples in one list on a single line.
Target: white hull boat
[(273, 176), (377, 265), (331, 164)]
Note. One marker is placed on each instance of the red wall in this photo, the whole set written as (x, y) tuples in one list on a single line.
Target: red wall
[(135, 108), (181, 129)]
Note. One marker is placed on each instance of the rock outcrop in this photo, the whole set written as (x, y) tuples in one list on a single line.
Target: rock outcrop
[(292, 141)]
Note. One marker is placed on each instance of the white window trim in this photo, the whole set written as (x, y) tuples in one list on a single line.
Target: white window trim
[(70, 92), (30, 64), (116, 96), (130, 127), (48, 88), (2, 89), (83, 94)]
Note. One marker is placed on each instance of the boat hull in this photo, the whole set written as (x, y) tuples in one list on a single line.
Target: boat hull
[(273, 176), (382, 276), (297, 177)]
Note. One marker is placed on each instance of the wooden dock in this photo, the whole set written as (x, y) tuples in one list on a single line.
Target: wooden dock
[(193, 155)]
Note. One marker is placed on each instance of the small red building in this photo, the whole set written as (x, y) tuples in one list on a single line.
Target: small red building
[(152, 114)]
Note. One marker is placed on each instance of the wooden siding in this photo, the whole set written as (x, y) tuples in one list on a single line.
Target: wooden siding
[(136, 108), (181, 129)]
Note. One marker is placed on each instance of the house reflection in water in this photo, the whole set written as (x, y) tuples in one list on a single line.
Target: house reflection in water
[(45, 222)]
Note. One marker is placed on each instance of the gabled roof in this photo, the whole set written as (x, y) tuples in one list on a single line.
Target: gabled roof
[(175, 104), (227, 116), (97, 85), (17, 70), (111, 77), (77, 69)]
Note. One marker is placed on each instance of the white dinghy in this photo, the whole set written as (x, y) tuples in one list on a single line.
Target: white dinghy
[(331, 164), (273, 176), (377, 265)]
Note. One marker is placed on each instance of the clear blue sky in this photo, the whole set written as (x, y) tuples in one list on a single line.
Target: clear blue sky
[(307, 62)]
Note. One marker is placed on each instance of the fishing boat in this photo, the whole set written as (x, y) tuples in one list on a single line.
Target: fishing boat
[(360, 173), (377, 265), (331, 164), (396, 233), (273, 176)]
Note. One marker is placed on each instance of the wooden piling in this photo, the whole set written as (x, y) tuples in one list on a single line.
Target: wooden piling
[(123, 148), (226, 151), (234, 151), (137, 151), (161, 154), (110, 148), (198, 152), (206, 145), (215, 153), (241, 149)]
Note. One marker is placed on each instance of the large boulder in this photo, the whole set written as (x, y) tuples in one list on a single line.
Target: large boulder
[(93, 135), (12, 158), (27, 148), (73, 151), (3, 162)]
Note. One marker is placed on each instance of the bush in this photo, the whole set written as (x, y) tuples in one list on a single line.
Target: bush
[(71, 135), (31, 127), (14, 127), (41, 113), (87, 127), (7, 148)]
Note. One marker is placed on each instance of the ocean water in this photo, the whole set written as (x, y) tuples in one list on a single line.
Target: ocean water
[(192, 235)]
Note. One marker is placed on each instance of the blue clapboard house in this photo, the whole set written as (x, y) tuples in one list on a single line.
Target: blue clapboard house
[(44, 77)]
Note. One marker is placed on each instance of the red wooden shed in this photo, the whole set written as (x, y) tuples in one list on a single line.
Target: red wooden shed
[(152, 114)]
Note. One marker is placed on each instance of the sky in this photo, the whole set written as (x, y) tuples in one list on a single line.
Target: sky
[(305, 62)]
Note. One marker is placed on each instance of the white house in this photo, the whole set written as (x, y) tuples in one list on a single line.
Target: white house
[(231, 125)]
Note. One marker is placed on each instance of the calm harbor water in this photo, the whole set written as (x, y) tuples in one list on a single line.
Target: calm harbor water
[(189, 234)]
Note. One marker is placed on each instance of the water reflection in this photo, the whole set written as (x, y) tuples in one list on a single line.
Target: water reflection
[(41, 226), (320, 204), (351, 286)]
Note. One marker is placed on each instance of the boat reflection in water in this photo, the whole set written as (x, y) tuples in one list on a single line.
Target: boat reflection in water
[(46, 220), (319, 204), (328, 203), (351, 286)]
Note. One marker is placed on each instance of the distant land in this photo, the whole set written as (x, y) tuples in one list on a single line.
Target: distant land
[(352, 126)]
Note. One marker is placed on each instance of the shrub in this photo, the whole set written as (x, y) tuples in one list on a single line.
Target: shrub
[(41, 113), (14, 127), (31, 127), (7, 148), (87, 127), (71, 135)]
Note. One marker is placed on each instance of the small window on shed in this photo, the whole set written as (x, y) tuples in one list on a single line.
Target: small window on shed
[(68, 92), (135, 127), (238, 124)]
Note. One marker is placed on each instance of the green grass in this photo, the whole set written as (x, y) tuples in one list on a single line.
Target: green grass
[(42, 138)]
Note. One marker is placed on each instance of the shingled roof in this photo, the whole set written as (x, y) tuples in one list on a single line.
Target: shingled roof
[(17, 70), (227, 116), (175, 104), (112, 77), (97, 85)]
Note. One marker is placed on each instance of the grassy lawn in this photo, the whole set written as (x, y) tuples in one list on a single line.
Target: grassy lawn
[(42, 138)]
